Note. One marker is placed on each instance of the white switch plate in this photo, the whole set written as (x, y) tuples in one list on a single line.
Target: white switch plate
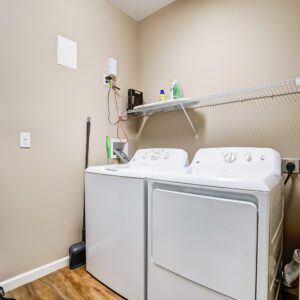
[(66, 52), (25, 140)]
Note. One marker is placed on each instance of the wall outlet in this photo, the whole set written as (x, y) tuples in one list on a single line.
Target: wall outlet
[(105, 82), (107, 79), (295, 161)]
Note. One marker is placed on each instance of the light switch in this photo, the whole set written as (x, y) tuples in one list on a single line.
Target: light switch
[(66, 52), (25, 140)]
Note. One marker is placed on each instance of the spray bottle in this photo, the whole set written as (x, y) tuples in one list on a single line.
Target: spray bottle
[(176, 90)]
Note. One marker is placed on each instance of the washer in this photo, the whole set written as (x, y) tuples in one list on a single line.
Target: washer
[(116, 219), (215, 230)]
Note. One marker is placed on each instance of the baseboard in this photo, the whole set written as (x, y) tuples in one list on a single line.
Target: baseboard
[(19, 280)]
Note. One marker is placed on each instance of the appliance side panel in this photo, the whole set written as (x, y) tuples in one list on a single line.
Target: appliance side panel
[(115, 232), (276, 238)]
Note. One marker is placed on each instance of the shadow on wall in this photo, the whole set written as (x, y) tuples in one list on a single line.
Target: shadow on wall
[(172, 130)]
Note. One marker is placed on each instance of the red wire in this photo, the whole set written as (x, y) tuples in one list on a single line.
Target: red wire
[(119, 122)]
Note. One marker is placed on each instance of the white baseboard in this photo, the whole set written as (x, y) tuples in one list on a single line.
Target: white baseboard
[(34, 274)]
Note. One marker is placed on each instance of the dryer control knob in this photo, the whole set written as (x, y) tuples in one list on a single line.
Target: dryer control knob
[(229, 157), (248, 157)]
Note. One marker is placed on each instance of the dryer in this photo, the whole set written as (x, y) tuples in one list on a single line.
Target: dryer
[(116, 219), (215, 229)]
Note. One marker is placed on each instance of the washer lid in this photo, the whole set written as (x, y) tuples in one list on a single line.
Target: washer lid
[(238, 168), (144, 161)]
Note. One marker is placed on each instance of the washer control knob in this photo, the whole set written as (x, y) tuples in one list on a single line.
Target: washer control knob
[(248, 157), (230, 157), (155, 156)]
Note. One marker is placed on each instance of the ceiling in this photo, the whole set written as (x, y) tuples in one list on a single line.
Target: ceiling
[(140, 9)]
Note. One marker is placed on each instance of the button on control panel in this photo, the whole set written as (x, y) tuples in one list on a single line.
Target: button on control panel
[(167, 155)]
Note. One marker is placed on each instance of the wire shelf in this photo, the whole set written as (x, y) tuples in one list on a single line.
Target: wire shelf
[(281, 88)]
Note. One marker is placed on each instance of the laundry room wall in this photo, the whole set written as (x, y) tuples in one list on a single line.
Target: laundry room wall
[(41, 189), (211, 46)]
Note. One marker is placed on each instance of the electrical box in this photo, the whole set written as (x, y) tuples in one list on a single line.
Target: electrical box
[(119, 145), (66, 52)]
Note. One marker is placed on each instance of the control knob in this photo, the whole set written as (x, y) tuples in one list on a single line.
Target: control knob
[(248, 157), (230, 157), (155, 156)]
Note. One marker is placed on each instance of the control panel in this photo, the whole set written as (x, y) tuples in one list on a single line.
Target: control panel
[(241, 161), (161, 157), (231, 157)]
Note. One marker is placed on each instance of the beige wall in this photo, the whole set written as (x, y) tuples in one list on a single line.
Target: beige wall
[(41, 189), (212, 46), (208, 45)]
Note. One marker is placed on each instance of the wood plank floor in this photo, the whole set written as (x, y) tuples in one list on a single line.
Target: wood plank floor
[(65, 284)]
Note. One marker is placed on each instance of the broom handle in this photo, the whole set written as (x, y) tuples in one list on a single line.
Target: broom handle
[(87, 146)]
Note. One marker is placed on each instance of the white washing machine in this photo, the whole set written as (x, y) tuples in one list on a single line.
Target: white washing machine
[(116, 219), (215, 229)]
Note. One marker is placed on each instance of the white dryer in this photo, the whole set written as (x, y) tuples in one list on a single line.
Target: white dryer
[(116, 219), (215, 229)]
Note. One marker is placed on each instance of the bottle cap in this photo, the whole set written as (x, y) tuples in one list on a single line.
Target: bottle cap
[(162, 91)]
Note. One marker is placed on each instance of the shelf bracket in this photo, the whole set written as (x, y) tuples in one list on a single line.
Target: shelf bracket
[(298, 84), (190, 121)]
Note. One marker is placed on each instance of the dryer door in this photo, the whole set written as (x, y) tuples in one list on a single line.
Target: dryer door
[(209, 241)]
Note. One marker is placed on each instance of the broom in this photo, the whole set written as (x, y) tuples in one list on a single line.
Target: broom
[(77, 251)]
